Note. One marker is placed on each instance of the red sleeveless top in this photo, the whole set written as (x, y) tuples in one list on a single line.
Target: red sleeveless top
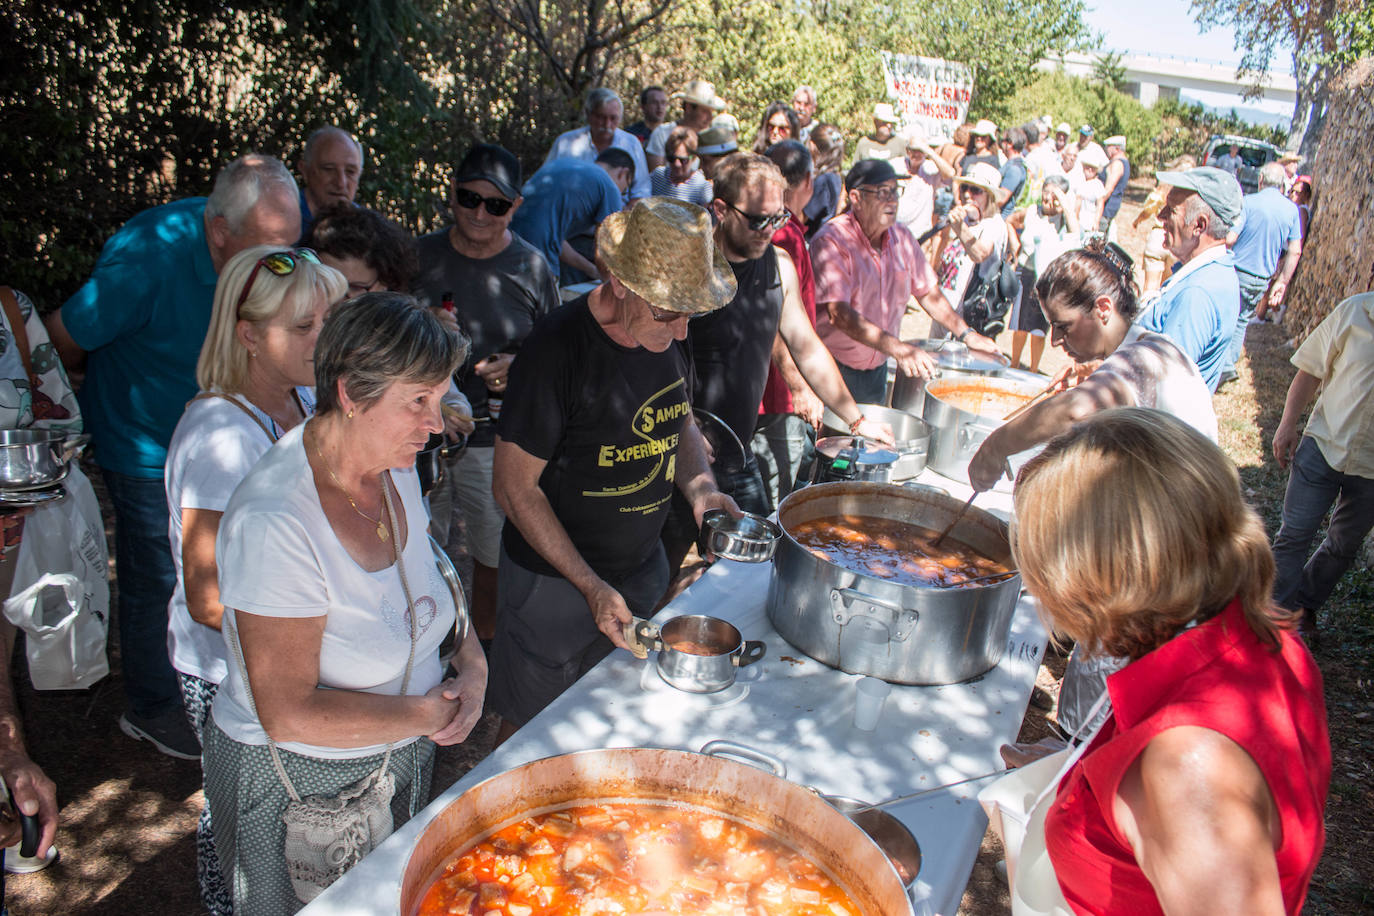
[(1218, 675)]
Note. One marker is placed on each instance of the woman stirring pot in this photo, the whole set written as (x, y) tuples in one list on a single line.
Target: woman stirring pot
[(331, 593), (255, 372), (1089, 300), (1203, 791)]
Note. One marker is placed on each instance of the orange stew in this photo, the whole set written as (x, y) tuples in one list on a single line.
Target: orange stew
[(891, 549), (644, 858), (692, 647), (979, 397)]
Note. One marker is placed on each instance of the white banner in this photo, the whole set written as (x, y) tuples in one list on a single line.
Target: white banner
[(929, 93)]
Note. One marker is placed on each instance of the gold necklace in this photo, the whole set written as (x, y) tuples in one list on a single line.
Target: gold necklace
[(382, 534)]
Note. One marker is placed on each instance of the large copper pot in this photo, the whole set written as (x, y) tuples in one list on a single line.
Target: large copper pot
[(797, 815)]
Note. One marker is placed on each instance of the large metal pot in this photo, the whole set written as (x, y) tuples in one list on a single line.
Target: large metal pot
[(957, 434), (869, 625), (788, 811), (953, 360), (34, 458), (910, 433)]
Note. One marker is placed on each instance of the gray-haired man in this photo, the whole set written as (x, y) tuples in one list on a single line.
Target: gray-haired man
[(138, 324), (603, 111), (330, 167)]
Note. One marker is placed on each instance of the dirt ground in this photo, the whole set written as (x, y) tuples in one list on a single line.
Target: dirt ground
[(129, 813)]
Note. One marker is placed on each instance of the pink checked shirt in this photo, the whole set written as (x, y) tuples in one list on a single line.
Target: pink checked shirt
[(876, 284)]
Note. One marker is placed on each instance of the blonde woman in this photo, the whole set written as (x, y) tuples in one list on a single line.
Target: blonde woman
[(1203, 790), (255, 373)]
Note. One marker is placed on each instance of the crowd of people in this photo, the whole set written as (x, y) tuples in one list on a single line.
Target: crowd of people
[(648, 327)]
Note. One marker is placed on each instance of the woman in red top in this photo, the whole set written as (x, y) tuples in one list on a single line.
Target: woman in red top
[(1203, 792)]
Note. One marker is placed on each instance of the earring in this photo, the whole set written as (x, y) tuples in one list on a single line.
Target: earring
[(350, 413), (252, 354)]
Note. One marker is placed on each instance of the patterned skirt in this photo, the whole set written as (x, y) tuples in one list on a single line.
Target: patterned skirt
[(247, 800)]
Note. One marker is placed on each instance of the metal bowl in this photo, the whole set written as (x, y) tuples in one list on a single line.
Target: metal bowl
[(748, 539), (890, 834)]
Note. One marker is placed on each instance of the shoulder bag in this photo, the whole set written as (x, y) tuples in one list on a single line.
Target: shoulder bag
[(327, 835)]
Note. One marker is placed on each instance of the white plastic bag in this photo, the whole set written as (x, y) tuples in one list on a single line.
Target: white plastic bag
[(61, 592), (66, 640)]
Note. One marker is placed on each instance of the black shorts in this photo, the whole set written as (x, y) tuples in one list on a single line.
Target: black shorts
[(545, 635), (1028, 316)]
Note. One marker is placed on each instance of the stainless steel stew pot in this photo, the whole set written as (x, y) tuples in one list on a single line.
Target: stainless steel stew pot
[(910, 433), (712, 784), (952, 360), (866, 624), (958, 433)]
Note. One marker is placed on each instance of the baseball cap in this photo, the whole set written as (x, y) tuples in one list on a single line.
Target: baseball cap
[(984, 128), (489, 162), (1093, 157), (1117, 140), (1086, 130), (869, 171), (1217, 188), (1063, 128), (883, 111)]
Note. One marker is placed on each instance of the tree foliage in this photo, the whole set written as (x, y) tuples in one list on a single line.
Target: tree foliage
[(108, 107), (1318, 34), (1081, 101)]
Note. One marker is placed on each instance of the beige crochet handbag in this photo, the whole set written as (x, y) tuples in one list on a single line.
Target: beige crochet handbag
[(327, 835)]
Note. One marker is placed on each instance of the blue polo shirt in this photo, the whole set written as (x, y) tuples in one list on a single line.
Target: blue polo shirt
[(1198, 313), (565, 197), (142, 317), (1271, 222)]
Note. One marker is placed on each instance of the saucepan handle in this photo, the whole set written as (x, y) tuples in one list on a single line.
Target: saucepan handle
[(754, 649), (71, 446), (643, 637), (722, 748)]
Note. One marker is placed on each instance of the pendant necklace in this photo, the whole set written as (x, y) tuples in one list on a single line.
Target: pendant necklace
[(382, 534)]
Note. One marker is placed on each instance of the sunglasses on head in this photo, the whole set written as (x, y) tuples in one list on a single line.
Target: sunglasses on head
[(281, 263), (758, 222), (471, 200)]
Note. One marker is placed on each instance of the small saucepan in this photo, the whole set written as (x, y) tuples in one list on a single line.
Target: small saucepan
[(429, 462), (35, 458), (696, 653)]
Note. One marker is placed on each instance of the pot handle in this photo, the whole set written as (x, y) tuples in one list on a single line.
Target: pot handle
[(848, 603), (642, 637), (754, 649), (722, 748), (70, 447)]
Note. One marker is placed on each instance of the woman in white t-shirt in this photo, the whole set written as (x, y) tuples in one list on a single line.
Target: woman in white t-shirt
[(255, 372), (977, 226), (1089, 299), (332, 595)]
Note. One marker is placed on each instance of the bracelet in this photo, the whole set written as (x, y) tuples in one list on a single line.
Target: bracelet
[(966, 332), (854, 427)]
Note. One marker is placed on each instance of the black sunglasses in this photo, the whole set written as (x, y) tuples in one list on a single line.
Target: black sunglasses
[(759, 222), (280, 263), (471, 200), (663, 316)]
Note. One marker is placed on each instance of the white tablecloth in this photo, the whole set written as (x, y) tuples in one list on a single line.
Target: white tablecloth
[(789, 706)]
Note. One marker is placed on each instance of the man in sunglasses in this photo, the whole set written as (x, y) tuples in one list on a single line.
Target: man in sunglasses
[(499, 285), (699, 105), (137, 325), (868, 268), (732, 349), (596, 438)]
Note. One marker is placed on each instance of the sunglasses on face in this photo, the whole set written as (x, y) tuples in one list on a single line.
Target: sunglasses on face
[(663, 317), (471, 200), (681, 160), (281, 263), (762, 221)]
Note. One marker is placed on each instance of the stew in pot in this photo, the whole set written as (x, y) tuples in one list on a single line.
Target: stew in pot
[(647, 859), (978, 398), (892, 549)]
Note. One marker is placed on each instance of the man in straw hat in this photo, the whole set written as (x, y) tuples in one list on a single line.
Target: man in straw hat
[(699, 105), (596, 436)]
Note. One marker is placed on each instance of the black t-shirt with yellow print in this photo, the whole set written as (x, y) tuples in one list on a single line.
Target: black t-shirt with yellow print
[(608, 420)]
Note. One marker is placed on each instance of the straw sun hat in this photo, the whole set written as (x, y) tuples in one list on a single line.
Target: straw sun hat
[(665, 252)]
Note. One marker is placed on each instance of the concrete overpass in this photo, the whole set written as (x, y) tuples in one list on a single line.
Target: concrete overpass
[(1152, 77)]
